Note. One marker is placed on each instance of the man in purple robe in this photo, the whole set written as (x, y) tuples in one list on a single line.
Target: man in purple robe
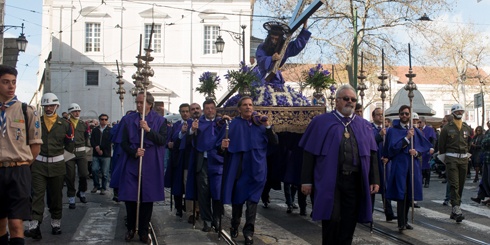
[(208, 166), (177, 144), (430, 135), (379, 136), (154, 127), (246, 165), (340, 164), (268, 52), (399, 151), (190, 182)]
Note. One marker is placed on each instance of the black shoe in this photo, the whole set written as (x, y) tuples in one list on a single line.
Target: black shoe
[(391, 218), (55, 230), (249, 240), (416, 205), (408, 227), (444, 181), (295, 206), (290, 209), (426, 185), (34, 233), (476, 199), (115, 199), (129, 235), (206, 228), (215, 225), (72, 206), (302, 212), (179, 213), (446, 203), (190, 220), (265, 205), (457, 217), (233, 232)]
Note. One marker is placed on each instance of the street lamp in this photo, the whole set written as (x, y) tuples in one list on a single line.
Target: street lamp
[(21, 40), (220, 43)]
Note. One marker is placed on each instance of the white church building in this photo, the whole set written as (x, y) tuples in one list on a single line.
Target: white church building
[(86, 38)]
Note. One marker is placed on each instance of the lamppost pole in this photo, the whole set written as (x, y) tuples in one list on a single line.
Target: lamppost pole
[(220, 43), (243, 42)]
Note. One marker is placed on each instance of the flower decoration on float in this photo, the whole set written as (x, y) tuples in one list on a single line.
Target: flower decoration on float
[(318, 78), (208, 83), (243, 79)]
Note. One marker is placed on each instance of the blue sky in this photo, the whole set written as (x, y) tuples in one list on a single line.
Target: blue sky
[(29, 12)]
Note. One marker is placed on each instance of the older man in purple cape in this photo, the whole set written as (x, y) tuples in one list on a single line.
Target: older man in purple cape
[(246, 165), (208, 166), (398, 150), (340, 163), (153, 153), (268, 51)]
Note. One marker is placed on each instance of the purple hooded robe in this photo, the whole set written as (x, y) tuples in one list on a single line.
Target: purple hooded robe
[(322, 139), (152, 180)]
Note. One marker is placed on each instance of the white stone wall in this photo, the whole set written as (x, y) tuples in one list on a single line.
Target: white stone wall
[(177, 68)]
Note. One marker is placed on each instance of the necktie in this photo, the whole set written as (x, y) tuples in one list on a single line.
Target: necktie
[(3, 116)]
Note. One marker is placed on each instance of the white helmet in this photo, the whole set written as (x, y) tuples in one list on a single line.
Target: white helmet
[(49, 99), (74, 107), (457, 107), (415, 116)]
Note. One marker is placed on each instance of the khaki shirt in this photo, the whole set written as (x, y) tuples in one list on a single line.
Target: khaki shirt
[(13, 147), (453, 140)]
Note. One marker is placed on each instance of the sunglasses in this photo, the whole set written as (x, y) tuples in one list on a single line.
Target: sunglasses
[(347, 98), (404, 113), (103, 119)]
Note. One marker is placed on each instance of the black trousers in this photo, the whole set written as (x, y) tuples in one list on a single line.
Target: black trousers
[(250, 214), (146, 210), (342, 224), (404, 205)]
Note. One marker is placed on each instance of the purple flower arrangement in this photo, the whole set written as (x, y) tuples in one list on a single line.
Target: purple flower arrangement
[(267, 96), (318, 78), (209, 83), (244, 77)]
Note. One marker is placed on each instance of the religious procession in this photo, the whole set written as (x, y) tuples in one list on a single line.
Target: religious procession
[(264, 162)]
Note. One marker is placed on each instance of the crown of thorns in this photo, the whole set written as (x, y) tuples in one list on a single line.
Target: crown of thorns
[(277, 28)]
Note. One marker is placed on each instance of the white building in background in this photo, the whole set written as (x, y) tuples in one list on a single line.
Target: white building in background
[(85, 38)]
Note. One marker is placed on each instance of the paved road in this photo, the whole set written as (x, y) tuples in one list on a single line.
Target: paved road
[(101, 221)]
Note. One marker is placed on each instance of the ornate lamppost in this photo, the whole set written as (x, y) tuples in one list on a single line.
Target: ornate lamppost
[(220, 43)]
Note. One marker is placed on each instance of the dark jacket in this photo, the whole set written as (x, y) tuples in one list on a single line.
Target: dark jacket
[(103, 140)]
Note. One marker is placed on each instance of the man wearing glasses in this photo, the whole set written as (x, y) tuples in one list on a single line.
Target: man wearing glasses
[(398, 149), (347, 179), (100, 141)]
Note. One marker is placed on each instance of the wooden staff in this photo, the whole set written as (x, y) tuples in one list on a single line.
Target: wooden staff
[(383, 88), (410, 87), (146, 72)]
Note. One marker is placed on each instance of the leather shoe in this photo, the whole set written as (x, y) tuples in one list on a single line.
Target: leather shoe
[(476, 199), (390, 218), (72, 206), (302, 212), (190, 220), (129, 235), (249, 240), (215, 225), (416, 205), (34, 233), (233, 232), (408, 227), (55, 230), (289, 210), (179, 213)]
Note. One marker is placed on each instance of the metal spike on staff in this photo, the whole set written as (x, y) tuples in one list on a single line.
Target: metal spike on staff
[(145, 72), (121, 91), (410, 87), (383, 88)]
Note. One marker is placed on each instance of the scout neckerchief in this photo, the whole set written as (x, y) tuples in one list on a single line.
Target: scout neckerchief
[(3, 116)]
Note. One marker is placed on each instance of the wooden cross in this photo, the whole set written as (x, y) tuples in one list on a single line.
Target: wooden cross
[(298, 18)]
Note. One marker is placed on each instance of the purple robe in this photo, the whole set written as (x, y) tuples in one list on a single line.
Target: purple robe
[(265, 63), (207, 133), (246, 165), (322, 139), (116, 139), (430, 135), (174, 174), (153, 168), (379, 141), (401, 162)]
